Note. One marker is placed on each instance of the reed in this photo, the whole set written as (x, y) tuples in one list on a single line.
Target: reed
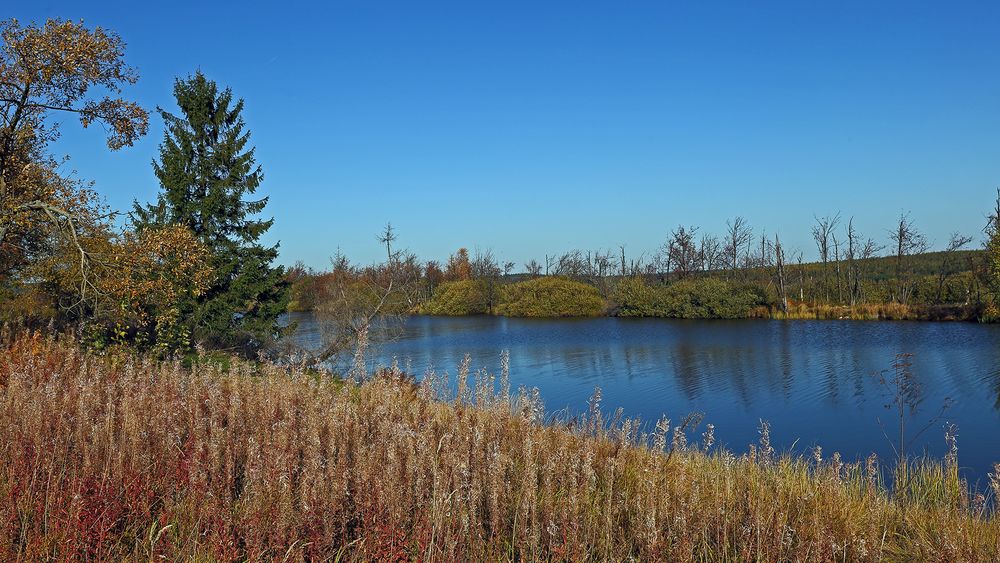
[(872, 312), (119, 456)]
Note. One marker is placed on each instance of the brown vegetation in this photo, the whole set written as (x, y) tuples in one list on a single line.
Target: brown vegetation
[(117, 456)]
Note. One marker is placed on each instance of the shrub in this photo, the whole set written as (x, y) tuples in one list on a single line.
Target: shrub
[(464, 297), (550, 297), (706, 298), (633, 297)]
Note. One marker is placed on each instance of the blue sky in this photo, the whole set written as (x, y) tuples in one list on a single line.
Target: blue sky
[(537, 127)]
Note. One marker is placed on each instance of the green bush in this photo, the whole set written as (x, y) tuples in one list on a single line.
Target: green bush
[(633, 297), (457, 298), (550, 297), (706, 298)]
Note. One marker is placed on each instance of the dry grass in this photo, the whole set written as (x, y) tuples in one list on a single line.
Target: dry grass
[(122, 457), (873, 312)]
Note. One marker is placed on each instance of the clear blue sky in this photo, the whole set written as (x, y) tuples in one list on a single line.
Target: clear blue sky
[(536, 127)]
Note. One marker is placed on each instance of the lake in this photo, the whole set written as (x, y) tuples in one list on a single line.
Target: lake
[(815, 382)]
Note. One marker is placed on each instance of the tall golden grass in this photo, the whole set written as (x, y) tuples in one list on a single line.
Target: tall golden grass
[(118, 456), (871, 312)]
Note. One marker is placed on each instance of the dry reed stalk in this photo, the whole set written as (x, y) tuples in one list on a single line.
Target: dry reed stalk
[(120, 457)]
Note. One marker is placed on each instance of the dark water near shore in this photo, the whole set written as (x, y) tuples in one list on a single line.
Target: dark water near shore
[(814, 381)]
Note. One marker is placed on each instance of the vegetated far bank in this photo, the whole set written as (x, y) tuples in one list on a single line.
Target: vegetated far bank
[(956, 294), (256, 462), (540, 297)]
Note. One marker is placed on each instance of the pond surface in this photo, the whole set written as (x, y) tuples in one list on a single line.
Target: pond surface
[(815, 382)]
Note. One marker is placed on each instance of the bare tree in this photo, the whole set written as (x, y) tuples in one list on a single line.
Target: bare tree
[(870, 249), (779, 270), (836, 262), (486, 269), (764, 260), (822, 232), (738, 235), (993, 219), (857, 254), (573, 264), (907, 241), (387, 237), (533, 268), (361, 307), (710, 252), (638, 266), (853, 274), (603, 263), (602, 268), (681, 252), (802, 275), (950, 264), (508, 267)]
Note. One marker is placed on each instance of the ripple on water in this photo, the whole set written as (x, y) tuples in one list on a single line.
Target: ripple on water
[(815, 381)]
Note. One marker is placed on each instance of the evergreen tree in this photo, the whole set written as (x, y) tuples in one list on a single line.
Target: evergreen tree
[(206, 173)]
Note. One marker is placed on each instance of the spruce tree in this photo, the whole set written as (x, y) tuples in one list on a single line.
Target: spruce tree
[(206, 174)]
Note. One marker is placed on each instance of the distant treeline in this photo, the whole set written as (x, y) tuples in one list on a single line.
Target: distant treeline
[(691, 276)]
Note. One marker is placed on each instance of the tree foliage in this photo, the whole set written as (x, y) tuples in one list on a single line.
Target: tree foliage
[(991, 268), (459, 267), (206, 173), (47, 70), (157, 273)]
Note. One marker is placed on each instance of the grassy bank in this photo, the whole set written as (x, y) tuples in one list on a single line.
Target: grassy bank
[(121, 457), (876, 312)]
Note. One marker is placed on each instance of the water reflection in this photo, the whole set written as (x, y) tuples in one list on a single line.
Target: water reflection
[(814, 381)]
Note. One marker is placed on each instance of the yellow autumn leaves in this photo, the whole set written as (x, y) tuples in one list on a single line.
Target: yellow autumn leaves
[(148, 278), (53, 66)]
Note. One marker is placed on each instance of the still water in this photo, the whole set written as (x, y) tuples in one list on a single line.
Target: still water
[(815, 382)]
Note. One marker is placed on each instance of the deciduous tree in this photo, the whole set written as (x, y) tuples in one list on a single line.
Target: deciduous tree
[(822, 233), (47, 70), (907, 241), (154, 276), (681, 254), (738, 235), (459, 266)]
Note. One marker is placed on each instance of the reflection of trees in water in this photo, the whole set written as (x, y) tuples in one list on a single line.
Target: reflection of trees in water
[(787, 359), (716, 370), (965, 374), (996, 391), (440, 327), (598, 362), (806, 362)]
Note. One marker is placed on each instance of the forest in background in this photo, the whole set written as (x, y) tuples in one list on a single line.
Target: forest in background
[(690, 276)]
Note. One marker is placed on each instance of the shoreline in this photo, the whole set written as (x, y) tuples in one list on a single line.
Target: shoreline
[(246, 462)]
